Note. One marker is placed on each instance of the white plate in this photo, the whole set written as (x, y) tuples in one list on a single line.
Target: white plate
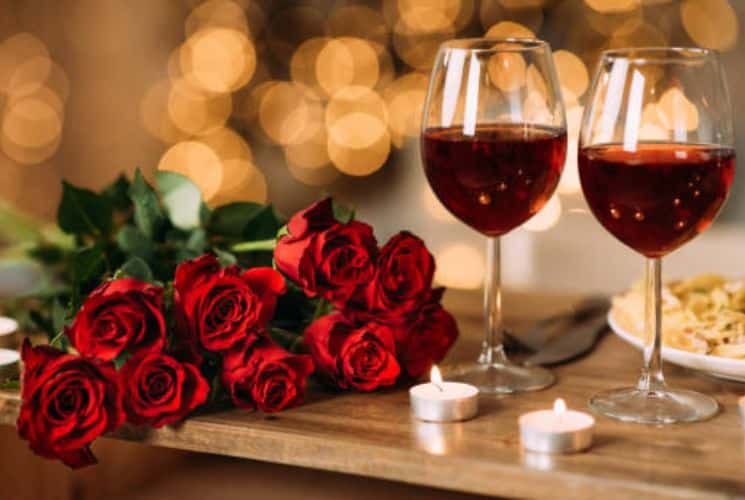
[(730, 369)]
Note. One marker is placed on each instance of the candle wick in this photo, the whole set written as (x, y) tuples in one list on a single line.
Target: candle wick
[(439, 387)]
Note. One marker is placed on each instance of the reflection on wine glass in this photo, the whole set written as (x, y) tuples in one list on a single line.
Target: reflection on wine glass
[(656, 163), (493, 147)]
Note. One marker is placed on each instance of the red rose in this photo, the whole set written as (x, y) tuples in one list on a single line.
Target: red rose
[(262, 375), (348, 355), (120, 315), (427, 339), (158, 390), (402, 282), (68, 401), (219, 307), (325, 257)]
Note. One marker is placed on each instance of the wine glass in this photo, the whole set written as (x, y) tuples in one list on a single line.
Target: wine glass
[(656, 162), (493, 147)]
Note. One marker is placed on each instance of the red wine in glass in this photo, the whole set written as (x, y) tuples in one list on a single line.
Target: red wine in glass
[(497, 178), (658, 197)]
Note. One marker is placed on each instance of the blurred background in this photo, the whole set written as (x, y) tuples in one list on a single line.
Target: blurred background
[(280, 101)]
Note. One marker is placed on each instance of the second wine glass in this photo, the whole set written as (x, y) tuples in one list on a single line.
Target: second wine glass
[(493, 147), (656, 162)]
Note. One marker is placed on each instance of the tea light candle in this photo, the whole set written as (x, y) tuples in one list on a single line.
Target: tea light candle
[(8, 330), (439, 401), (556, 431), (8, 363)]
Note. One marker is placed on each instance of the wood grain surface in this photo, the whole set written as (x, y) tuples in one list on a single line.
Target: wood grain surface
[(374, 435)]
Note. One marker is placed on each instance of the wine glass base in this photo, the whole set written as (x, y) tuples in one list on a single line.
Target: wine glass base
[(661, 406), (498, 378)]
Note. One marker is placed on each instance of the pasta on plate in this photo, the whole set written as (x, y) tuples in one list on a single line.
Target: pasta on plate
[(704, 314)]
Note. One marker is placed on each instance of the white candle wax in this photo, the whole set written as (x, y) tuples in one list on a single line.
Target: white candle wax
[(556, 431), (439, 401), (8, 329), (8, 362)]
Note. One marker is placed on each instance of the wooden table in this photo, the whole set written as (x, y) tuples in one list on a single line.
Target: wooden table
[(374, 435)]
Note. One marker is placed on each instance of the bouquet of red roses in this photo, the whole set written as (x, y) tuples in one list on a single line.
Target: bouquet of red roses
[(166, 331), (384, 318), (131, 368)]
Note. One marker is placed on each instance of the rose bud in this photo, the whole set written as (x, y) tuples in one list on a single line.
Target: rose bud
[(120, 315), (68, 401), (262, 375), (218, 307), (427, 339), (402, 282), (158, 390), (353, 356), (324, 257)]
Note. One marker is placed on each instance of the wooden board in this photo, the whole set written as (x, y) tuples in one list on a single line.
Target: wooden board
[(374, 435)]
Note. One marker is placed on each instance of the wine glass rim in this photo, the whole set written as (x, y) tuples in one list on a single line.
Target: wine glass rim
[(661, 54), (487, 44)]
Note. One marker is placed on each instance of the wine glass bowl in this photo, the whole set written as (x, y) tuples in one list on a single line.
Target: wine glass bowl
[(493, 148), (656, 162)]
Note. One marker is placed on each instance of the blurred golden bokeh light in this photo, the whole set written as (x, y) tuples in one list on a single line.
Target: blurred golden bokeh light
[(19, 50), (197, 161), (346, 61), (31, 123), (358, 143), (289, 113), (195, 112), (155, 116), (217, 14), (613, 6), (355, 99), (322, 176), (572, 72), (405, 98), (311, 154), (509, 29), (358, 21), (507, 71), (460, 266), (218, 59), (710, 23)]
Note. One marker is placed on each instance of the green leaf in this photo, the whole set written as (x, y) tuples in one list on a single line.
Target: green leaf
[(121, 360), (59, 342), (149, 216), (225, 258), (232, 220), (323, 308), (133, 242), (47, 254), (182, 200), (342, 213), (285, 338), (59, 316), (42, 323), (83, 212), (118, 193), (197, 241), (87, 263), (16, 226), (138, 269), (264, 226)]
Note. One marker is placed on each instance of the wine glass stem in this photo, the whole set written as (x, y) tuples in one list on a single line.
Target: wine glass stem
[(652, 377), (492, 351)]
